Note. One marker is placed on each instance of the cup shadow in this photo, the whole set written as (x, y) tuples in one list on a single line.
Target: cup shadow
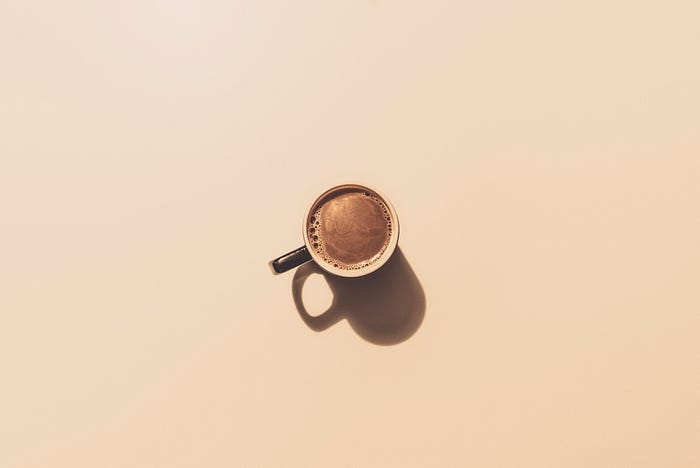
[(385, 307)]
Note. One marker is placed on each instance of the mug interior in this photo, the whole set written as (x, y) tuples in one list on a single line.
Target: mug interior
[(321, 253)]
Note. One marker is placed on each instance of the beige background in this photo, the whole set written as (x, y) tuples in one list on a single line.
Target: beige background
[(543, 157)]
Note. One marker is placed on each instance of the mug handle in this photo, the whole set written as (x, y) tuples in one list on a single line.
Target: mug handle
[(290, 260)]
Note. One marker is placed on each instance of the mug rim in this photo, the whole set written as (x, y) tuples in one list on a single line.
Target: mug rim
[(388, 252)]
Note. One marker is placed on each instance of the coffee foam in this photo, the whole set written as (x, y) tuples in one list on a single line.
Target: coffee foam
[(350, 228)]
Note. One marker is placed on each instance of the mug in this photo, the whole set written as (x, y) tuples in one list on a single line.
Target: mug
[(349, 230)]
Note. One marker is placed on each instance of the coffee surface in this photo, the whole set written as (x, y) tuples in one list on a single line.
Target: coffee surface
[(350, 228)]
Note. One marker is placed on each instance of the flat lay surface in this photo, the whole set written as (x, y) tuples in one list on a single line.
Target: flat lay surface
[(542, 309)]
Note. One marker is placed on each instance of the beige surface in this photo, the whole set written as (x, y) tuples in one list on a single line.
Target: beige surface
[(543, 157)]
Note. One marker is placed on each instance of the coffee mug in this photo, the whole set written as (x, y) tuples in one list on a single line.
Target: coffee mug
[(350, 230)]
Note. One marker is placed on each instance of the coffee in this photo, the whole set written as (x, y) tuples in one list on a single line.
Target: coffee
[(350, 228)]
